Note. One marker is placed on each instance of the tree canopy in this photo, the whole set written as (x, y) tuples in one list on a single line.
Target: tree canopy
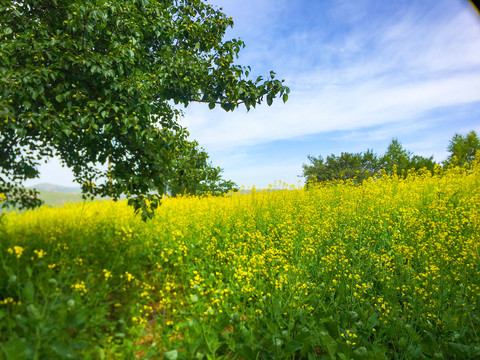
[(96, 82), (463, 149), (194, 174), (356, 166), (360, 166), (396, 160)]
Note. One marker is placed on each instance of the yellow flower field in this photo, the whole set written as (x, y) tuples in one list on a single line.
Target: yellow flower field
[(386, 270)]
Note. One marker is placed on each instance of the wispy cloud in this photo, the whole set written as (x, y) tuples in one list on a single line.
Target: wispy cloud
[(372, 72)]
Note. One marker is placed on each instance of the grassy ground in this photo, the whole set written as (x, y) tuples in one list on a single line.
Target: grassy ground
[(386, 270), (59, 198), (54, 199)]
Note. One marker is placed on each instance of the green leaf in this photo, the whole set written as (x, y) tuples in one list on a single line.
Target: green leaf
[(329, 344), (79, 319), (361, 353), (293, 346), (29, 291), (211, 105), (63, 351), (458, 349), (332, 327), (33, 312), (15, 349), (171, 355), (247, 352), (99, 353), (285, 98), (28, 268)]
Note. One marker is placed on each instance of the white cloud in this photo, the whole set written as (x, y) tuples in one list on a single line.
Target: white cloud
[(336, 108), (408, 68)]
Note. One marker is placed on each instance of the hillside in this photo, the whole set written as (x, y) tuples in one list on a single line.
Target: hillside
[(54, 198), (57, 188)]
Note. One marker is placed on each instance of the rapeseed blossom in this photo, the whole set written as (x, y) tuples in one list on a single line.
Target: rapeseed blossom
[(358, 264), (80, 287), (107, 274), (17, 250), (40, 253)]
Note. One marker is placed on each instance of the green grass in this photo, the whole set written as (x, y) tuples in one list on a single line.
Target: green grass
[(52, 198), (56, 199)]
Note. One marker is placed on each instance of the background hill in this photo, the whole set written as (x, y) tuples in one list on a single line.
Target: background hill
[(56, 195), (56, 188), (57, 198)]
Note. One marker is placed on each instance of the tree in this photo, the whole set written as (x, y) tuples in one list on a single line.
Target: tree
[(356, 166), (418, 162), (215, 184), (95, 82), (463, 149), (403, 160), (395, 157), (211, 182), (195, 175), (360, 166)]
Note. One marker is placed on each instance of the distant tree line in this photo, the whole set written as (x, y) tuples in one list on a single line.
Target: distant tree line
[(359, 166)]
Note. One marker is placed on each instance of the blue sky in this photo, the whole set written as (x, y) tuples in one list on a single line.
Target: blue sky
[(360, 73)]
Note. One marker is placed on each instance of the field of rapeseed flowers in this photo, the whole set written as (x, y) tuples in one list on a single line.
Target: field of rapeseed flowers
[(386, 270)]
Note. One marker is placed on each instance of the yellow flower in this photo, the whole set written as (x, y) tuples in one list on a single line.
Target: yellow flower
[(40, 253), (107, 274), (80, 287), (129, 276), (18, 250)]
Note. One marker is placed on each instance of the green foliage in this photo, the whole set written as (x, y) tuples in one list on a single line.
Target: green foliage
[(346, 166), (360, 166), (418, 162), (398, 159), (14, 196), (95, 83), (395, 157), (195, 175), (215, 184), (463, 149)]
